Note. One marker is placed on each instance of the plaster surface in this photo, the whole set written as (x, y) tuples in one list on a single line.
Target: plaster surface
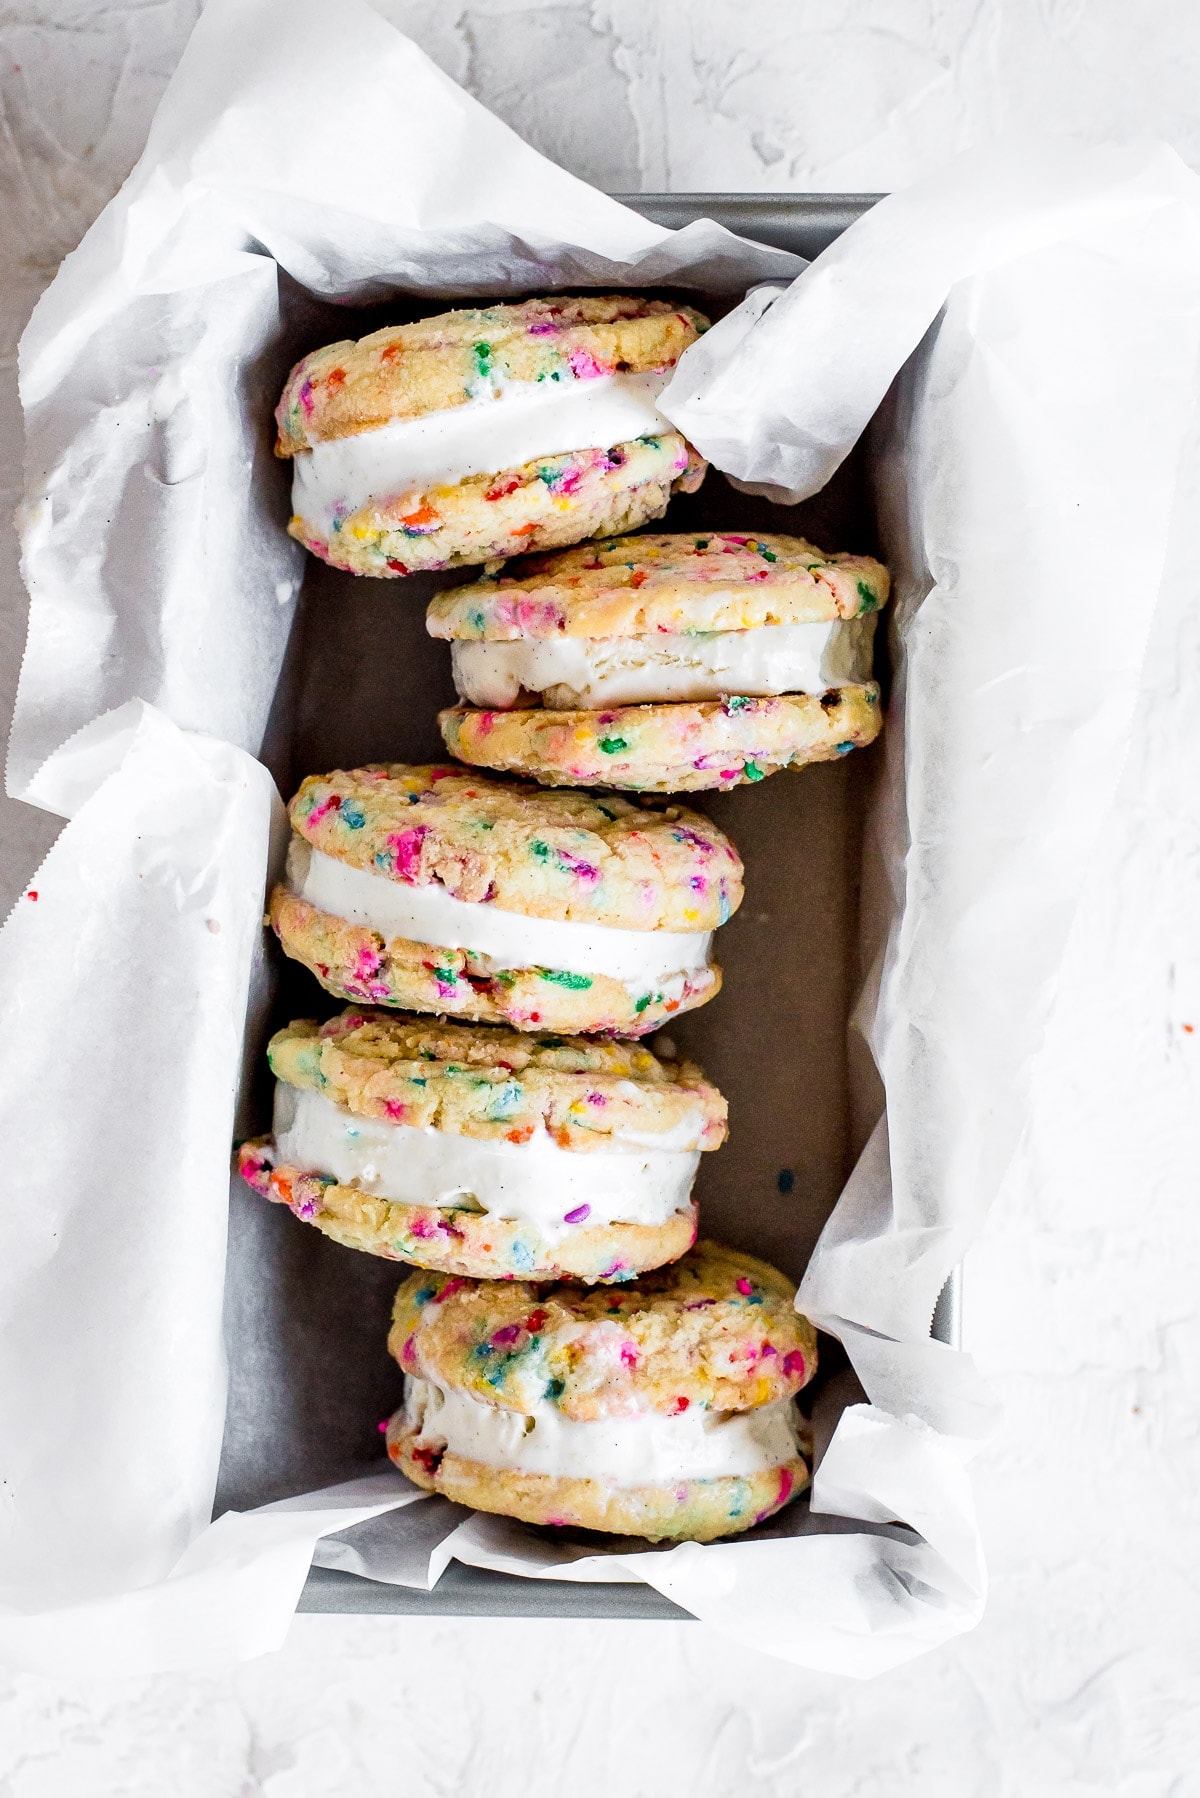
[(1081, 1300)]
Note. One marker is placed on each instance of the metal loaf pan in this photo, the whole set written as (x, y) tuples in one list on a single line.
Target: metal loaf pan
[(306, 1321)]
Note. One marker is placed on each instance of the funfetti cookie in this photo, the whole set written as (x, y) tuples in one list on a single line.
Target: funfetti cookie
[(663, 1409), (482, 1151), (479, 434), (437, 889), (664, 663)]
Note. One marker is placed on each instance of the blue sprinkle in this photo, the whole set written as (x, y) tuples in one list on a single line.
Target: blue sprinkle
[(352, 816), (785, 1179)]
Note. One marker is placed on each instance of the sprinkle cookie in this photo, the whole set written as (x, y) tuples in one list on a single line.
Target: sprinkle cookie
[(435, 889), (483, 1152), (479, 434), (664, 663), (662, 1409)]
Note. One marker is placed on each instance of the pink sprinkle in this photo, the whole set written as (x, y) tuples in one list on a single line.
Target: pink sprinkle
[(793, 1363), (422, 1229), (629, 1355), (409, 1351), (767, 1350), (785, 1484), (544, 330), (256, 1173), (598, 1099), (584, 365), (508, 1334), (329, 804), (585, 871), (447, 1289), (405, 846), (366, 962), (394, 1108), (745, 1288), (580, 1213), (382, 1425)]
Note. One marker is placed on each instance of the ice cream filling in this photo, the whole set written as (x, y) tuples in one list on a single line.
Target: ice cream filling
[(505, 425), (587, 673), (647, 1449), (503, 939), (639, 1180)]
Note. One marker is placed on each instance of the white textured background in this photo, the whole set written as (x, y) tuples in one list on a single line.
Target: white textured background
[(1085, 1312)]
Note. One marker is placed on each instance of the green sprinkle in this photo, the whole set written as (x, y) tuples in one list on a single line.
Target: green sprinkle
[(554, 1388), (575, 983), (768, 555), (642, 1002), (540, 851), (702, 542), (610, 745), (866, 599), (736, 703), (447, 976), (753, 772)]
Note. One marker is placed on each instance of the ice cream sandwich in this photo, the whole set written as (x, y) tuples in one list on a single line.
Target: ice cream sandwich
[(483, 1151), (664, 1409), (664, 663), (478, 434), (437, 889)]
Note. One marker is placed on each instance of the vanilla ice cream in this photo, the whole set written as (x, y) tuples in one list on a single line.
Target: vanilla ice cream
[(505, 425), (639, 1179), (588, 673), (502, 939), (647, 1449)]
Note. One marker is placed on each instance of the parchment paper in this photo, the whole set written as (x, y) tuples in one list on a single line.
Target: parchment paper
[(1042, 315)]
